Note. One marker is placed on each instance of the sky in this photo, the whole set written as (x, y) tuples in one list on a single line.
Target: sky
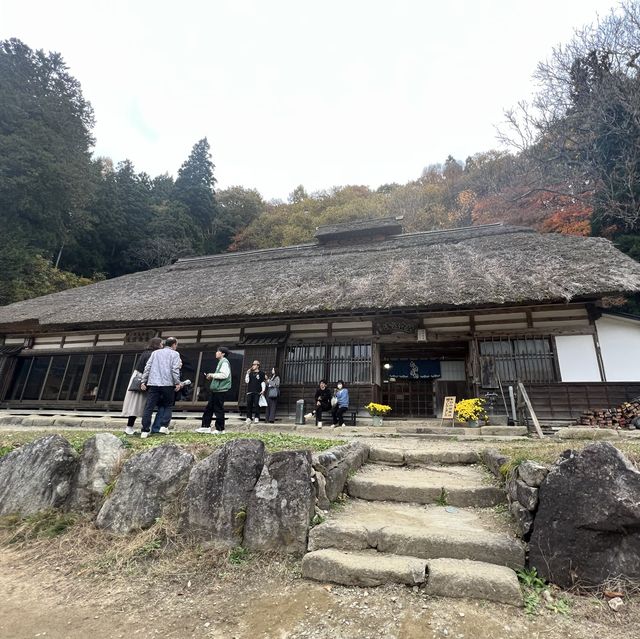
[(293, 92)]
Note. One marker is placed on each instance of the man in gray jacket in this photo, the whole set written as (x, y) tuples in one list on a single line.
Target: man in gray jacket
[(161, 379)]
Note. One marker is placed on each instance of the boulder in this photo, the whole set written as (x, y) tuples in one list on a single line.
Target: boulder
[(148, 484), (100, 461), (532, 473), (37, 476), (527, 495), (321, 491), (282, 505), (214, 506), (523, 519), (336, 464), (587, 527), (494, 460)]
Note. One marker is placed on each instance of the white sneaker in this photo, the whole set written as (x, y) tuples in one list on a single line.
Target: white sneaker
[(248, 420), (334, 425), (129, 430), (164, 430), (256, 420), (342, 426), (214, 431), (319, 424), (203, 430), (309, 415), (144, 434)]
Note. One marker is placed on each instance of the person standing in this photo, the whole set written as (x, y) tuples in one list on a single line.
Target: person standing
[(220, 384), (322, 402), (273, 392), (161, 378), (342, 405), (256, 385), (134, 401)]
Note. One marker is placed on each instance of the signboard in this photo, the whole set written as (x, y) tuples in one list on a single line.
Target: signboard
[(449, 407)]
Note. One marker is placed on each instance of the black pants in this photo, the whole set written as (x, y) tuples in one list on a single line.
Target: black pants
[(272, 403), (253, 405), (215, 406), (337, 413), (162, 396), (319, 409)]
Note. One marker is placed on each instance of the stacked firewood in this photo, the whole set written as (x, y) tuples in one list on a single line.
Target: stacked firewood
[(623, 416)]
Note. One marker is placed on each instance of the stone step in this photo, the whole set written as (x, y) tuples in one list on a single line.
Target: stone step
[(391, 455), (473, 579), (462, 486), (362, 568), (442, 577), (420, 531)]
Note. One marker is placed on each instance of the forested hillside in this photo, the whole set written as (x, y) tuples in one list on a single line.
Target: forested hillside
[(570, 163)]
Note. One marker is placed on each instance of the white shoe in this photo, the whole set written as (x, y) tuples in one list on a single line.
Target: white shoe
[(144, 434), (214, 431), (203, 430), (256, 420), (342, 426), (334, 425), (164, 430), (309, 415), (129, 431), (319, 424), (248, 420)]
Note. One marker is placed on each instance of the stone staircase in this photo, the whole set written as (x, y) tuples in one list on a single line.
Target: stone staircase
[(428, 522)]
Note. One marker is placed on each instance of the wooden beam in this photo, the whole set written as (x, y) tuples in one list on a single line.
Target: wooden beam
[(527, 402)]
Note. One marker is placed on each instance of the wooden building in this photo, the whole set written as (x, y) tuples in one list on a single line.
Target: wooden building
[(403, 318)]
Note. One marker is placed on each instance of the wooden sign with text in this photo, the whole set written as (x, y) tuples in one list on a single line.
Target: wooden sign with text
[(448, 408)]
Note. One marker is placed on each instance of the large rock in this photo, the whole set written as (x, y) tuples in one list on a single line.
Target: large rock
[(336, 464), (527, 495), (214, 506), (148, 484), (37, 476), (523, 519), (100, 461), (532, 473), (282, 504), (587, 528)]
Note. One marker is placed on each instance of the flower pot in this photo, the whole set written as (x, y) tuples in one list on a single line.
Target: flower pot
[(377, 420), (473, 423)]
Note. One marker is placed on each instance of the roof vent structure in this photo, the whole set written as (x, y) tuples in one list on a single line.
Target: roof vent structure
[(359, 231)]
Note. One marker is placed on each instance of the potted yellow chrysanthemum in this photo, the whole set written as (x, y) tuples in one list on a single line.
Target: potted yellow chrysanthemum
[(471, 411), (377, 411)]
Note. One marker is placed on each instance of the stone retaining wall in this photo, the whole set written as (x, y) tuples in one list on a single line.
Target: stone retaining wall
[(240, 495), (580, 515)]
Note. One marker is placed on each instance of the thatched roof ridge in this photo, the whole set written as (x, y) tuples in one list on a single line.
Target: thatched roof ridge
[(462, 268), (361, 229)]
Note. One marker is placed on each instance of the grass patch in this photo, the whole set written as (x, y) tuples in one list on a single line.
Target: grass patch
[(442, 498), (46, 524), (198, 444), (548, 452), (536, 592), (238, 556)]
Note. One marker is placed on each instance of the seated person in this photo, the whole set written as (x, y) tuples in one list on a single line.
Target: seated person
[(341, 406), (322, 402)]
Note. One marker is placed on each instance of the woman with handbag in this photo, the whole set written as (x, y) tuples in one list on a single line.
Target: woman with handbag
[(273, 392), (341, 405), (135, 399)]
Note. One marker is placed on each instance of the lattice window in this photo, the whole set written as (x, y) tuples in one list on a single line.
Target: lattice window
[(310, 363), (527, 359)]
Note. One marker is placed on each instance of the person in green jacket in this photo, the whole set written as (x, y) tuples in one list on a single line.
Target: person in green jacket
[(220, 384)]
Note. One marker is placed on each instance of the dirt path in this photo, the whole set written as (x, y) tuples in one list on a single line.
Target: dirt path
[(44, 594)]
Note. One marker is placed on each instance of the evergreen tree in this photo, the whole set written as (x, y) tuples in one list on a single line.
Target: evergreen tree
[(195, 188)]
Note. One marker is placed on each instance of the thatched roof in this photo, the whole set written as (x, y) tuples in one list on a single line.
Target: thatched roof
[(484, 266)]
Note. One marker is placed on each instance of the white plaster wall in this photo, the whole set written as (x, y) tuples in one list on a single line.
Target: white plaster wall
[(577, 358), (620, 348)]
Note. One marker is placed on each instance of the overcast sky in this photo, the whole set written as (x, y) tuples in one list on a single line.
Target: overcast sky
[(292, 92)]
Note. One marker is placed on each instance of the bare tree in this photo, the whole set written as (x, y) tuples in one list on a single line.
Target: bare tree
[(580, 136)]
